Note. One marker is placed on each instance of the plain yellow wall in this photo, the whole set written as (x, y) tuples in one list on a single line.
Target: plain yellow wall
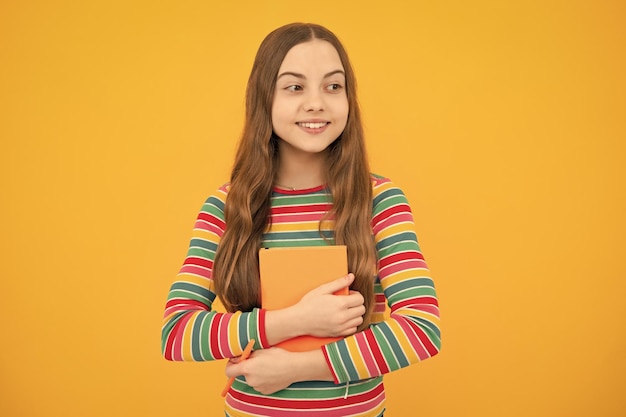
[(504, 122)]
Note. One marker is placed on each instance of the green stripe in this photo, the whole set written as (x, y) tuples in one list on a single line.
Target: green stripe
[(201, 253), (167, 328), (385, 348), (393, 344), (204, 336), (204, 244), (195, 338), (187, 295), (388, 198), (405, 241), (281, 200), (411, 283), (213, 203), (433, 332), (346, 359), (182, 289), (315, 390), (293, 243)]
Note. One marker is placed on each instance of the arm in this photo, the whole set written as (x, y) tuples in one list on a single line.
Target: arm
[(271, 370), (411, 333), (318, 313), (191, 330)]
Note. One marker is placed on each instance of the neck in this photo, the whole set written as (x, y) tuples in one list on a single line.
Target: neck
[(300, 171)]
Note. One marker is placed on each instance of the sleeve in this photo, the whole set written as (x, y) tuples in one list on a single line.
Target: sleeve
[(191, 330), (411, 333)]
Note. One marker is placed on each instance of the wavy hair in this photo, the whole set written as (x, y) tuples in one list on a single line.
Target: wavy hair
[(247, 208)]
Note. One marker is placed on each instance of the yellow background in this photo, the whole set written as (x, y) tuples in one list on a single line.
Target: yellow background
[(504, 122)]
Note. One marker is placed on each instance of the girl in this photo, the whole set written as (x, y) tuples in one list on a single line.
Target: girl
[(301, 178)]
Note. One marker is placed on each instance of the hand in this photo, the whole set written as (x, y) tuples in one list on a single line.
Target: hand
[(323, 314), (267, 370)]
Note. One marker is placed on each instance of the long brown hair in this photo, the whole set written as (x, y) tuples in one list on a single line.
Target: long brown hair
[(247, 208)]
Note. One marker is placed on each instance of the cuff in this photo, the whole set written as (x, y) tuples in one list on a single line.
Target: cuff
[(262, 343), (330, 364)]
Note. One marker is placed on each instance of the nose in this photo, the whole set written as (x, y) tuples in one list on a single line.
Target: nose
[(313, 100)]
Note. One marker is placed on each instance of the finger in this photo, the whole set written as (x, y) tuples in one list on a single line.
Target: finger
[(233, 370), (335, 285), (352, 326), (353, 300)]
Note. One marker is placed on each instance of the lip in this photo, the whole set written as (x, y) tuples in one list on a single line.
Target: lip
[(313, 130), (313, 121)]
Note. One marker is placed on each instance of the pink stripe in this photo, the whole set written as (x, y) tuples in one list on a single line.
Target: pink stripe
[(393, 220), (195, 270), (368, 357), (427, 343), (310, 208), (177, 347), (313, 217), (254, 410), (394, 259), (379, 307), (415, 341), (210, 227), (222, 331), (429, 308), (178, 308), (399, 267)]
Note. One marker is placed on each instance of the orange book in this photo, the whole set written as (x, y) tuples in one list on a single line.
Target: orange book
[(287, 274)]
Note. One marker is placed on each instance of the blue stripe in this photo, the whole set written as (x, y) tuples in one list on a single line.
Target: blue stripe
[(204, 244)]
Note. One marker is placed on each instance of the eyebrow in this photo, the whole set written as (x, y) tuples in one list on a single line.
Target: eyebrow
[(301, 76)]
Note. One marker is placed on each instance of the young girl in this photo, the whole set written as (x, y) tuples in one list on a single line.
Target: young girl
[(301, 178)]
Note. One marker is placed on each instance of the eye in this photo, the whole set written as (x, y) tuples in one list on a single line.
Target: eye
[(294, 88), (334, 87)]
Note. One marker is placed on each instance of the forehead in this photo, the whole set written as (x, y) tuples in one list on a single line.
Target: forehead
[(311, 55)]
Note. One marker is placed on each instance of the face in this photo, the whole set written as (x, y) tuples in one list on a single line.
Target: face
[(310, 107)]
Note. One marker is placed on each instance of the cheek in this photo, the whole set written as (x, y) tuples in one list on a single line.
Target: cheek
[(344, 107), (346, 112), (279, 111)]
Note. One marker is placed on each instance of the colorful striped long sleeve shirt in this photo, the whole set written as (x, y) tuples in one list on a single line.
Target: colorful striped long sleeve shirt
[(193, 331)]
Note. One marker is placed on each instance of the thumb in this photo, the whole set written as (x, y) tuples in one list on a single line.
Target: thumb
[(336, 285)]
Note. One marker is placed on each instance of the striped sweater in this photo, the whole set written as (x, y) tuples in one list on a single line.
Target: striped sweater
[(192, 331)]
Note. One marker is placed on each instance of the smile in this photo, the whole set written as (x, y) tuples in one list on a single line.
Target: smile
[(310, 125)]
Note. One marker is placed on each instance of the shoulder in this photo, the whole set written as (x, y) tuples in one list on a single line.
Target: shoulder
[(383, 186), (218, 198), (387, 197)]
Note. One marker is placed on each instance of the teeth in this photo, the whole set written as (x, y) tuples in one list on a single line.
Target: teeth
[(313, 125)]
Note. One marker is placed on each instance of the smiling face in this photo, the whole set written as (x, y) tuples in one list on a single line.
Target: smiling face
[(310, 107)]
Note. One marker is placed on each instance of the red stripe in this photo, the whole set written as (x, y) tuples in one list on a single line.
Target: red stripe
[(185, 304), (170, 342), (210, 218), (408, 327), (261, 329), (415, 303), (388, 212), (214, 336), (193, 260), (378, 355), (428, 344), (179, 330), (309, 403), (399, 257), (330, 364), (309, 208)]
